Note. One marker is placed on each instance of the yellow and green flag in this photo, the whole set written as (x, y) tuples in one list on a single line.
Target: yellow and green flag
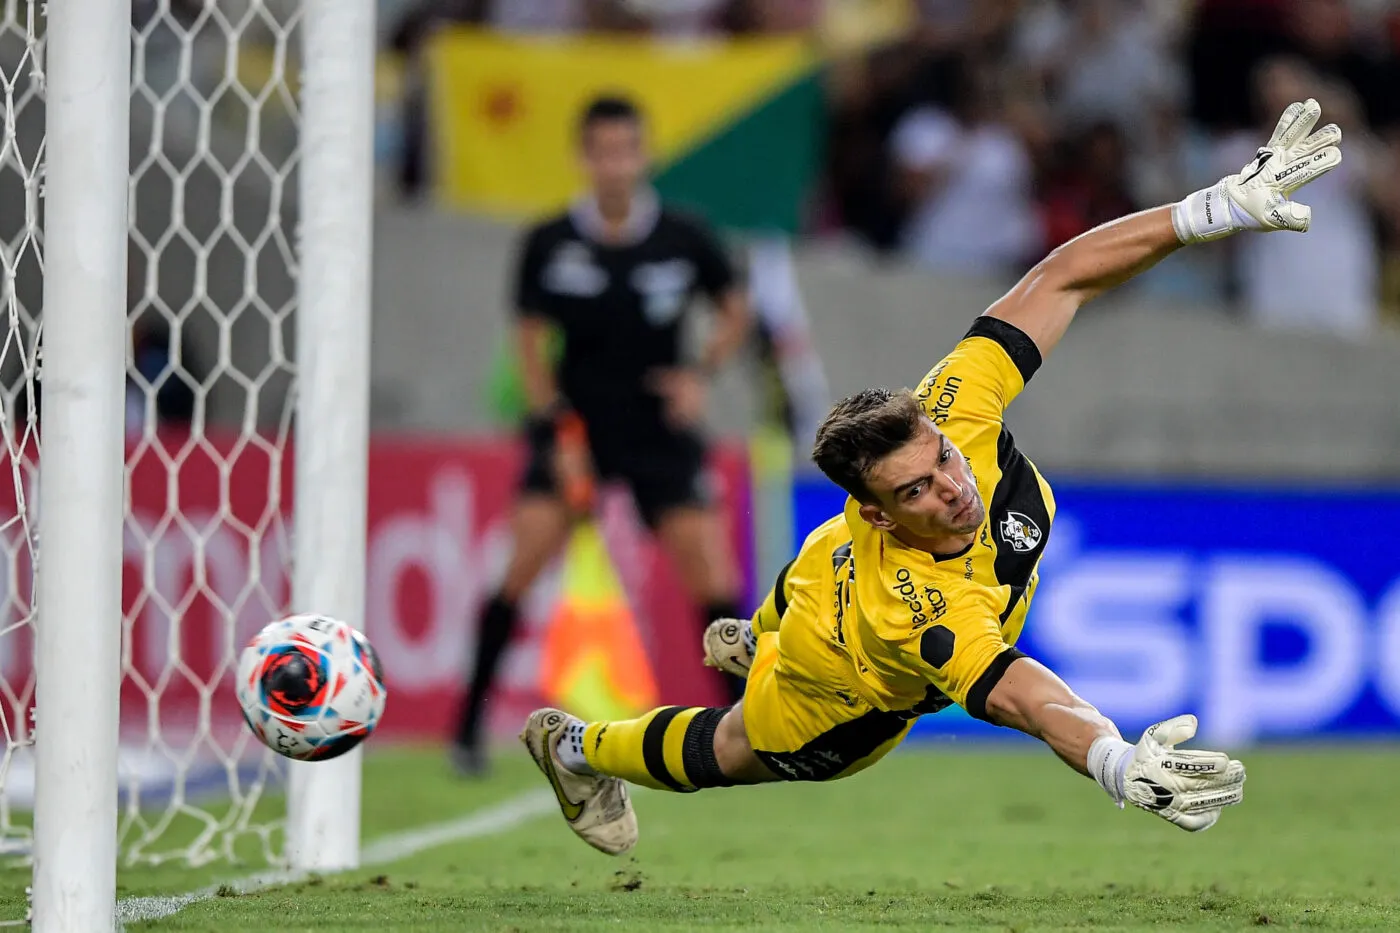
[(735, 126)]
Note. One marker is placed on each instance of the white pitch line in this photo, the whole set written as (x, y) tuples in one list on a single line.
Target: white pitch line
[(484, 822)]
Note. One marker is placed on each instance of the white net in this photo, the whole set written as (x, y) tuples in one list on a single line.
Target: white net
[(210, 296)]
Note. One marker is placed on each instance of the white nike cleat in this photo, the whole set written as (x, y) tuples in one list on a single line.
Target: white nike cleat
[(725, 647), (596, 807)]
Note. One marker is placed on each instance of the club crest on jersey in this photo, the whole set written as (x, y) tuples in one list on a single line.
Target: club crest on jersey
[(1020, 532)]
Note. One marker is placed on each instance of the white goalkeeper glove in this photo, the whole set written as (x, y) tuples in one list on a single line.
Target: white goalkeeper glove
[(1257, 197), (1187, 787)]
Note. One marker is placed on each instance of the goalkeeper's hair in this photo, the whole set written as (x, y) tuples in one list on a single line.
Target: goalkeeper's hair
[(861, 430), (606, 108)]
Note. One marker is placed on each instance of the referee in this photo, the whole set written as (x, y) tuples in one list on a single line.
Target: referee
[(616, 275)]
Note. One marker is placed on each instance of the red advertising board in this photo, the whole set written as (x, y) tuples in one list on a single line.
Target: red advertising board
[(208, 539)]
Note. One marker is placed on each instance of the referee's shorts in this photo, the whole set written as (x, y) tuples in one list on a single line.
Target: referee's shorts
[(664, 468)]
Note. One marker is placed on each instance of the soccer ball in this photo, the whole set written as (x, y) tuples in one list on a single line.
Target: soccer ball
[(311, 687)]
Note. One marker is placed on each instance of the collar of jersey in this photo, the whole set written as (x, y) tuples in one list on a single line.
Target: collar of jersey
[(641, 219)]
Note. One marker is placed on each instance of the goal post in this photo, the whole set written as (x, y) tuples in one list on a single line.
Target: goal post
[(195, 181), (82, 375), (333, 342)]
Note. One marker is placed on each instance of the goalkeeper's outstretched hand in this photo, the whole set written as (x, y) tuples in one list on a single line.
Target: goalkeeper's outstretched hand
[(1187, 787), (1258, 197)]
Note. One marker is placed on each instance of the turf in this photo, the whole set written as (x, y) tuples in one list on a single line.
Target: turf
[(933, 838)]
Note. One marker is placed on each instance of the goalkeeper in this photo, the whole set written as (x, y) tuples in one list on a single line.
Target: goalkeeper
[(914, 598)]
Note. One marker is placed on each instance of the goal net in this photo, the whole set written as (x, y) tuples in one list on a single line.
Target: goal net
[(212, 288)]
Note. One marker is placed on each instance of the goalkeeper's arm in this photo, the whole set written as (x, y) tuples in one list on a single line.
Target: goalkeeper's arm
[(1187, 787), (1044, 302)]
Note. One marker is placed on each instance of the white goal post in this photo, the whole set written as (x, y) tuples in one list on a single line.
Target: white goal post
[(103, 588)]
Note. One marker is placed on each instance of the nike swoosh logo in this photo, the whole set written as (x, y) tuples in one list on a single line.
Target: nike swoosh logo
[(572, 810)]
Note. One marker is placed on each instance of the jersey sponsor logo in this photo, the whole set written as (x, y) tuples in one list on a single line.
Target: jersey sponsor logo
[(923, 607), (1020, 532), (933, 596), (571, 271), (664, 287), (938, 400), (941, 405)]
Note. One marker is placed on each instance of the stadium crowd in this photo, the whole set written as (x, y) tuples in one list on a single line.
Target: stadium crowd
[(974, 137)]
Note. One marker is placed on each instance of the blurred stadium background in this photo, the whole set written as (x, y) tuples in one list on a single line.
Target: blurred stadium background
[(1223, 435)]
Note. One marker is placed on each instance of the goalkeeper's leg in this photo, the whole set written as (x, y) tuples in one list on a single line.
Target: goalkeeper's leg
[(670, 748), (777, 732)]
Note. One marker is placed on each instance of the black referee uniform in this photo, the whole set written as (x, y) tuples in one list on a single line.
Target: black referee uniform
[(621, 305), (621, 308)]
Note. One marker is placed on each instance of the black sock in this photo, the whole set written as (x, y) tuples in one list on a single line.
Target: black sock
[(727, 609), (497, 624), (698, 749)]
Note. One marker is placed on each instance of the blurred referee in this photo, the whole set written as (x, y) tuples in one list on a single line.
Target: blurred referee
[(616, 275)]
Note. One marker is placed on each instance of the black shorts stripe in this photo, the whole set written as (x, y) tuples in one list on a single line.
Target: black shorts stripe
[(1021, 348), (654, 747), (780, 602), (837, 749), (977, 696)]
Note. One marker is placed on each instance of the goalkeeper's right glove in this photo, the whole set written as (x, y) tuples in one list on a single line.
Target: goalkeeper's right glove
[(1187, 787), (1257, 197)]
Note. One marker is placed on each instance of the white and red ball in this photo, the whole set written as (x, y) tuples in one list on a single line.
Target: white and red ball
[(311, 687)]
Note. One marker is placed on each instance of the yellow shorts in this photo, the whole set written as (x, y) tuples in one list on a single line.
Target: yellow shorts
[(805, 720)]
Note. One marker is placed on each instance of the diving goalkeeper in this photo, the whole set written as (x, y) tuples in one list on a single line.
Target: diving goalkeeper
[(913, 598)]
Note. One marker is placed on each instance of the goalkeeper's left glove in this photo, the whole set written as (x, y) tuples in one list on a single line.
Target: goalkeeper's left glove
[(1257, 197)]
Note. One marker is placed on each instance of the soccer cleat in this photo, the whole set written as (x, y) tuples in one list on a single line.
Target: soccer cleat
[(596, 806), (725, 647)]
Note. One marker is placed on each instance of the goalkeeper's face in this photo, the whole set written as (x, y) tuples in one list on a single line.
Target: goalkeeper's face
[(614, 157), (926, 488)]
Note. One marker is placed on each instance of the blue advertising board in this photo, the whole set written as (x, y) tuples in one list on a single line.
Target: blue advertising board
[(1269, 613)]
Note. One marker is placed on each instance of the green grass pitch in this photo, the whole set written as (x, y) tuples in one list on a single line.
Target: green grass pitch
[(939, 836)]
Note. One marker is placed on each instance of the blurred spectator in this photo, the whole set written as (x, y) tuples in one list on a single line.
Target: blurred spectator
[(1328, 279), (966, 173), (547, 16), (663, 18), (1323, 34), (165, 371), (1089, 186), (1103, 60)]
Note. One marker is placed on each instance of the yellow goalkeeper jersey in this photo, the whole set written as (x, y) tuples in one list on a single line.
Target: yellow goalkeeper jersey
[(919, 630)]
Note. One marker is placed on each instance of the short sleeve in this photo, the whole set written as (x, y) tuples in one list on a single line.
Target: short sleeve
[(713, 266), (769, 615), (960, 650), (986, 371), (530, 296)]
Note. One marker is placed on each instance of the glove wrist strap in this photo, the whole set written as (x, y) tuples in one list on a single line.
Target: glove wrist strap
[(1204, 215), (1109, 758)]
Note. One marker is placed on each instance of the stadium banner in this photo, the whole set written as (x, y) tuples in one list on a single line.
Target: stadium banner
[(206, 539), (736, 127), (1270, 614)]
